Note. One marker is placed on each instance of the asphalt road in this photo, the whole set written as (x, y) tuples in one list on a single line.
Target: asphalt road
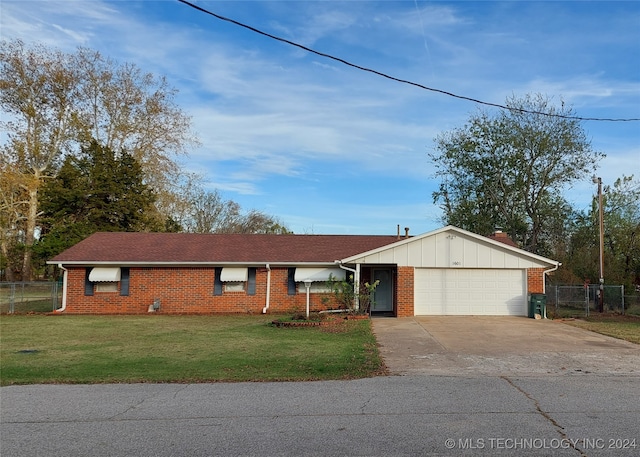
[(570, 415)]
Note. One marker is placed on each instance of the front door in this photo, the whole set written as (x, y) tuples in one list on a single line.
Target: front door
[(383, 295)]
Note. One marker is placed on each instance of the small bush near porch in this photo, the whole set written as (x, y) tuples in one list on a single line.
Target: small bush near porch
[(112, 349)]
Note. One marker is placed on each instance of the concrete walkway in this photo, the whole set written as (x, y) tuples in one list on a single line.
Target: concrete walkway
[(483, 345)]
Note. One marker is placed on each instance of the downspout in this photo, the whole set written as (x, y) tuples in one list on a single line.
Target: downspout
[(356, 281), (65, 275), (544, 273), (544, 282), (266, 305)]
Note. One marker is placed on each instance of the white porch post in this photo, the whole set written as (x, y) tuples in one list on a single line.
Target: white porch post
[(307, 285)]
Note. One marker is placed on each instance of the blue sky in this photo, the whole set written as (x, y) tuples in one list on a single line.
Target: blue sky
[(330, 149)]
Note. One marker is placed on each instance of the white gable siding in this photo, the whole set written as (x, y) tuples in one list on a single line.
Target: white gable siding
[(450, 249), (484, 255)]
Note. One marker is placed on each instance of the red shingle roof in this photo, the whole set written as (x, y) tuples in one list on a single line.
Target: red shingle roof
[(124, 247)]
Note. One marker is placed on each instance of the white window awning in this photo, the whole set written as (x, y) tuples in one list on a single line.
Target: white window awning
[(234, 274), (319, 274), (105, 274)]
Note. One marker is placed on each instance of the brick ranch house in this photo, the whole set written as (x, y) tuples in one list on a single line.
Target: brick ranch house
[(448, 271)]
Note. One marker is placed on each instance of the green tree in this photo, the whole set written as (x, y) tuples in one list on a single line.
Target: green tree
[(621, 215), (509, 170), (582, 258), (95, 191), (622, 230)]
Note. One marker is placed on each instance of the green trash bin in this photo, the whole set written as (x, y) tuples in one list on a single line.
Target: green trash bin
[(537, 305)]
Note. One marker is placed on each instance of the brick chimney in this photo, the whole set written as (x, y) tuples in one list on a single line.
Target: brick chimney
[(502, 237)]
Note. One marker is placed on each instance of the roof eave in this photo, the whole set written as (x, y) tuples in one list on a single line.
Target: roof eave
[(81, 263)]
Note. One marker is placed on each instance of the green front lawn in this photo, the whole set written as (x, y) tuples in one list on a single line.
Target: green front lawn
[(618, 326), (111, 349)]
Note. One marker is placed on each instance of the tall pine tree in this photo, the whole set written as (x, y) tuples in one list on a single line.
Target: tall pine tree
[(97, 191)]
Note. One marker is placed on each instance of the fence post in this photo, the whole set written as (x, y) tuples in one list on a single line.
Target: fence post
[(54, 295), (12, 298), (622, 295), (586, 299), (587, 309)]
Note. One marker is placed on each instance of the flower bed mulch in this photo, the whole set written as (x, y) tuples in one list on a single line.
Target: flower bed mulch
[(318, 323)]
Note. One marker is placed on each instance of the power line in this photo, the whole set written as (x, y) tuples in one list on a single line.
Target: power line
[(393, 78)]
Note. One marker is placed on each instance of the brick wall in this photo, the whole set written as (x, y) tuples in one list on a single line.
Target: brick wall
[(404, 288), (190, 291), (187, 291), (535, 280)]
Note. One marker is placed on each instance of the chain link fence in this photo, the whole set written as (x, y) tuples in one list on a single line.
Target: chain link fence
[(29, 297), (632, 304), (574, 301)]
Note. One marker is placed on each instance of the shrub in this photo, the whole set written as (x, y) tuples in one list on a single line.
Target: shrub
[(346, 296)]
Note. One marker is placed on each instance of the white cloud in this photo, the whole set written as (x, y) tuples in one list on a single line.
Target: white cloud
[(587, 89), (80, 38), (64, 24), (273, 119), (427, 18)]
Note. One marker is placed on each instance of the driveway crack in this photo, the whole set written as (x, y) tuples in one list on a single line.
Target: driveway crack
[(559, 428)]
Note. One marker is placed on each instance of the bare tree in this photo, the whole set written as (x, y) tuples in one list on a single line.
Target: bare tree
[(38, 94), (124, 108), (258, 222), (211, 213), (13, 202), (55, 102)]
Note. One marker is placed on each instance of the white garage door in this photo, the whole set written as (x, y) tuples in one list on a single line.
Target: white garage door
[(470, 292)]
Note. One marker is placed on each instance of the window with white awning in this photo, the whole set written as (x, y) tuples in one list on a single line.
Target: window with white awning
[(318, 278), (319, 274), (234, 274), (234, 278), (105, 274)]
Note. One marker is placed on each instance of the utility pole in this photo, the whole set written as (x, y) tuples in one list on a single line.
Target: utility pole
[(600, 212)]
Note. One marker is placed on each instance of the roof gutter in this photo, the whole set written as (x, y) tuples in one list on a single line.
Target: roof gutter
[(544, 273), (128, 263), (65, 275), (266, 305)]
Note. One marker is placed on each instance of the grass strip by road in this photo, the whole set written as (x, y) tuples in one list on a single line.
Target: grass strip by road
[(621, 327), (40, 349)]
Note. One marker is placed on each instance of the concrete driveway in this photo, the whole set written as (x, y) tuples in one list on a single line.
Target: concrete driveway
[(499, 346)]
